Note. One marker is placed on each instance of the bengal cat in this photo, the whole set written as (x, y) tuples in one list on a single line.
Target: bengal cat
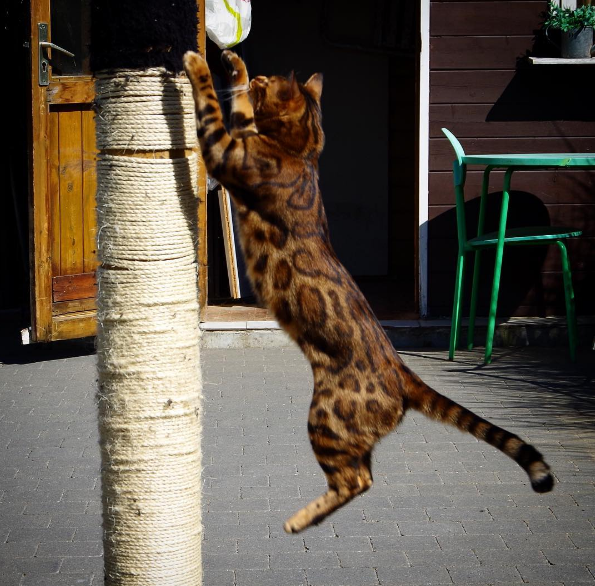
[(269, 163)]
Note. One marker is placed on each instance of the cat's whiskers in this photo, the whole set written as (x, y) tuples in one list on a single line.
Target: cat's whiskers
[(230, 93)]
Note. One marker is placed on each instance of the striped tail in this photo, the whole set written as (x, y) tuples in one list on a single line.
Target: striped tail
[(440, 408)]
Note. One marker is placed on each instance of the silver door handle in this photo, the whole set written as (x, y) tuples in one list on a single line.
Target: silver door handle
[(46, 45), (44, 64)]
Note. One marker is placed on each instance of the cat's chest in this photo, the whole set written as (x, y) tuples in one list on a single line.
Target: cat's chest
[(270, 235)]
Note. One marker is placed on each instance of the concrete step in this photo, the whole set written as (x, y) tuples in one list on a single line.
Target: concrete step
[(540, 332)]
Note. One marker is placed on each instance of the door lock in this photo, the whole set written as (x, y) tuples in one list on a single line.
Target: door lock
[(44, 44)]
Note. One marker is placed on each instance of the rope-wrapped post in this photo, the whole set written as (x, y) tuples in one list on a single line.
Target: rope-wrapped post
[(149, 380)]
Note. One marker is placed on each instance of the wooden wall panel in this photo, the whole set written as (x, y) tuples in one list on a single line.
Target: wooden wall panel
[(559, 186), (89, 156), (472, 1), (71, 192), (72, 287), (548, 256), (468, 87), (473, 120), (483, 89), (484, 18), (477, 52), (54, 192)]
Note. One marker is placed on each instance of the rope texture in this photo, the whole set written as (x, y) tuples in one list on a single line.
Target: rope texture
[(145, 110), (148, 352)]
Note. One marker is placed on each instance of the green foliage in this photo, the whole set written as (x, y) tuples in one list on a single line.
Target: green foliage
[(567, 19)]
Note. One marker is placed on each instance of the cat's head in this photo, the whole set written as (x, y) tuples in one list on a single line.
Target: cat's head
[(278, 101)]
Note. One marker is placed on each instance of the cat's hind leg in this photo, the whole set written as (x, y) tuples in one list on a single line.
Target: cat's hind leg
[(347, 477)]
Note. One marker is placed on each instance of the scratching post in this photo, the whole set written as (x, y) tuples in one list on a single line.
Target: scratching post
[(148, 322)]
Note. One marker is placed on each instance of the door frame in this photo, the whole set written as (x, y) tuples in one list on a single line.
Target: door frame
[(423, 158), (39, 204), (48, 322), (46, 327)]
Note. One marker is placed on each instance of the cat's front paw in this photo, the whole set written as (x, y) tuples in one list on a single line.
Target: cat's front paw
[(195, 66), (235, 67)]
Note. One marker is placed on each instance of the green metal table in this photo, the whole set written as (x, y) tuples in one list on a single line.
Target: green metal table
[(510, 163)]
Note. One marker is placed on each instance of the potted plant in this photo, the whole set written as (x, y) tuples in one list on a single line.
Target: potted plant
[(575, 26)]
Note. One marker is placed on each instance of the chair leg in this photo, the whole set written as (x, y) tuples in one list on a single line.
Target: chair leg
[(455, 326), (473, 307), (475, 286), (498, 267), (569, 297)]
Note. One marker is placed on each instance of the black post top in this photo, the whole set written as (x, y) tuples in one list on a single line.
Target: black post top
[(138, 34)]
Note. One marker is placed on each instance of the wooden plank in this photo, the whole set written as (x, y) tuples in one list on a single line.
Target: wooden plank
[(229, 243), (441, 153), (564, 61), (41, 269), (550, 186), (203, 259), (89, 191), (478, 52), (71, 192), (579, 216), (533, 294), (469, 87), (75, 90), (444, 255), (485, 18), (71, 287), (504, 121), (522, 96), (75, 306), (74, 325), (523, 211), (54, 192), (203, 262), (452, 1)]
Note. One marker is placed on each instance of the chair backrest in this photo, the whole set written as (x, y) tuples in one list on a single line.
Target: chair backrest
[(456, 145), (459, 179)]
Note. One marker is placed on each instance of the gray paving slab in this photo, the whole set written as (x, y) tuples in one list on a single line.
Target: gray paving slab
[(445, 509)]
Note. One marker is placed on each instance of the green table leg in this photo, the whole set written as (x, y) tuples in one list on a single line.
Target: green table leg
[(475, 286), (498, 266), (569, 298)]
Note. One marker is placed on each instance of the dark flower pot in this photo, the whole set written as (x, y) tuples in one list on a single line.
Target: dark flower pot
[(577, 43)]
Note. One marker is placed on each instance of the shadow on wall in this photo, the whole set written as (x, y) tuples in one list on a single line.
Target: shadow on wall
[(521, 282), (546, 93), (541, 109)]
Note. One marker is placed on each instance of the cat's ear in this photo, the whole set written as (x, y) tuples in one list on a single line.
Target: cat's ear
[(295, 88), (314, 85)]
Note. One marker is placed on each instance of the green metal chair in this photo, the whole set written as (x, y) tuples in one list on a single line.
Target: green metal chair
[(534, 235)]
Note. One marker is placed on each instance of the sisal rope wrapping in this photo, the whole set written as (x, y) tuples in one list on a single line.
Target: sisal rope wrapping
[(145, 110), (148, 344)]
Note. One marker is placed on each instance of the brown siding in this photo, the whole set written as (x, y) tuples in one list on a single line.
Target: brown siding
[(483, 90)]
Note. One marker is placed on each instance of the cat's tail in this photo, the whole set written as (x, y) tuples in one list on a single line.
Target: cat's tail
[(426, 400)]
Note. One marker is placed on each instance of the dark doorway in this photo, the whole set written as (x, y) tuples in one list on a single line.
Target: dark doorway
[(368, 170)]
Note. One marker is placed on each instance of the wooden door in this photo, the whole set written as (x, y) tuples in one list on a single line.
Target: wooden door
[(63, 173), (63, 156)]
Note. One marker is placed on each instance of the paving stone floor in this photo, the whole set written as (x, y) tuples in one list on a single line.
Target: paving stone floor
[(445, 509)]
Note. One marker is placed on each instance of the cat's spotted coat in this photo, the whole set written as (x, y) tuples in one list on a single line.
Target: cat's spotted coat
[(269, 163)]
